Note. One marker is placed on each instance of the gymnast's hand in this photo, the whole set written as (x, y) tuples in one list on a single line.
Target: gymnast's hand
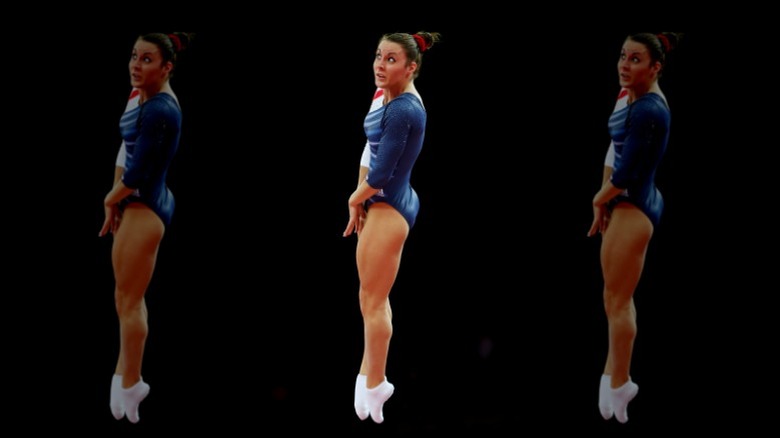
[(112, 220), (600, 220), (357, 217)]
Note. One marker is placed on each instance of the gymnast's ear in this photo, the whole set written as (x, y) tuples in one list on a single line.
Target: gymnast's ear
[(411, 68), (656, 68)]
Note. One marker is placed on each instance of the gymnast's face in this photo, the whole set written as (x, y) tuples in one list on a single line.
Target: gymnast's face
[(635, 67), (147, 70), (391, 67)]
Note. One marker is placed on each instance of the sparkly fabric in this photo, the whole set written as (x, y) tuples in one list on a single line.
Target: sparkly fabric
[(640, 133), (151, 137), (395, 134)]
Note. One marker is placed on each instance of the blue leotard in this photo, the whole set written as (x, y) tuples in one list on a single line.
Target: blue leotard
[(640, 133), (151, 137), (395, 134)]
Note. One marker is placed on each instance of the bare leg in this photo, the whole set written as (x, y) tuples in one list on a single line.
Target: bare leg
[(623, 252), (378, 258), (134, 255)]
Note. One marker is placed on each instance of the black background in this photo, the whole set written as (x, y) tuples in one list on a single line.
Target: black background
[(498, 320)]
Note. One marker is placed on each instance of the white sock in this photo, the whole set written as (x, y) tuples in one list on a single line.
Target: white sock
[(132, 397), (117, 404), (361, 408), (605, 397), (376, 398), (620, 398)]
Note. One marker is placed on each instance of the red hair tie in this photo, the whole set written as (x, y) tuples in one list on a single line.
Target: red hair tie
[(176, 41), (420, 42), (664, 42)]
